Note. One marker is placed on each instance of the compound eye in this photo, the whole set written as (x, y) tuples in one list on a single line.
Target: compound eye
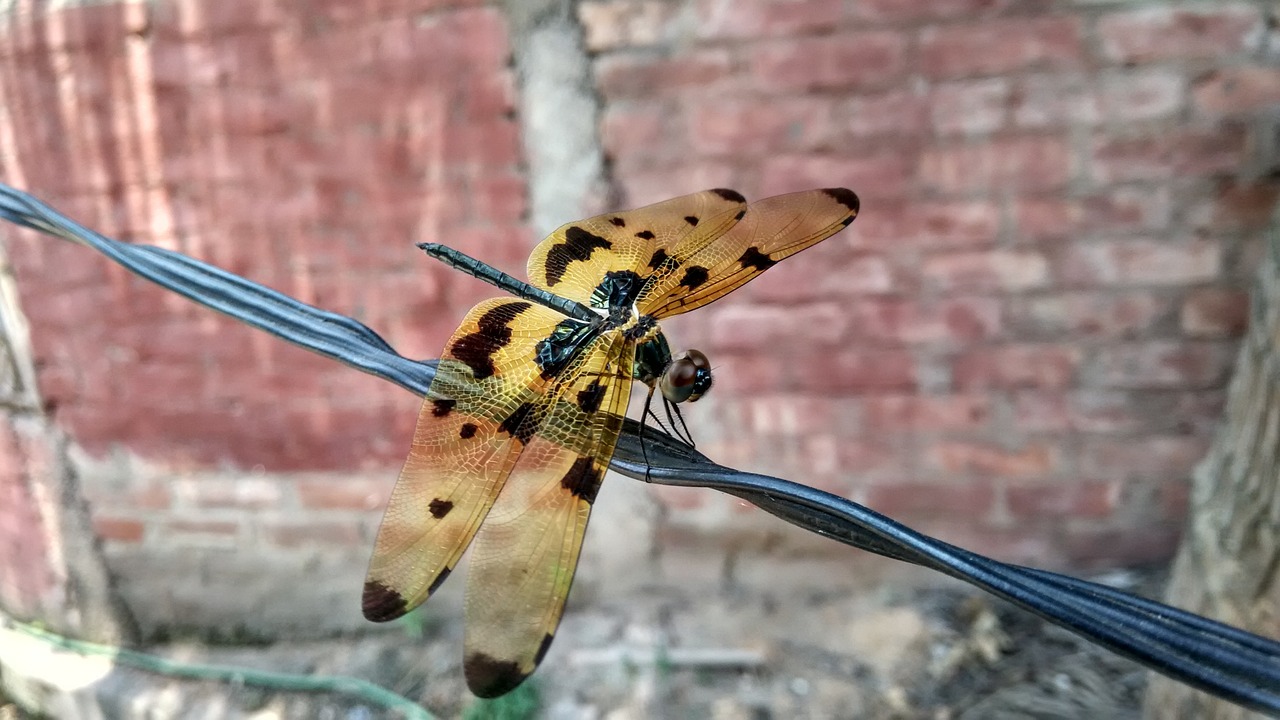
[(678, 380), (702, 378), (688, 377), (698, 358)]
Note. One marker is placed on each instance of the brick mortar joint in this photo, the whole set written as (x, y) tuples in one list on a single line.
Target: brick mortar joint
[(15, 345)]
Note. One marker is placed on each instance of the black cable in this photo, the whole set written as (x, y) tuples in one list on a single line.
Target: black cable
[(1214, 657)]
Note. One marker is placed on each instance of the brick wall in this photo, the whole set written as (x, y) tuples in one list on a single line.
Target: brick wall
[(1022, 341), (304, 146), (1019, 346)]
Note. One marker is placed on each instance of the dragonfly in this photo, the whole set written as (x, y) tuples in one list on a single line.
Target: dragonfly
[(528, 400)]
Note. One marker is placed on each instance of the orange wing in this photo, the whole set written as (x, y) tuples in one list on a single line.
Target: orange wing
[(468, 438), (772, 229), (527, 550), (573, 260)]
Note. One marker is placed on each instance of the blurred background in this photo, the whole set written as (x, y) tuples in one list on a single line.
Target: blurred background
[(1021, 346)]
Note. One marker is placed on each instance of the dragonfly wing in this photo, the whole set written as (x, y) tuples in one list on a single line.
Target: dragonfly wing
[(771, 229), (464, 447), (527, 550), (573, 260)]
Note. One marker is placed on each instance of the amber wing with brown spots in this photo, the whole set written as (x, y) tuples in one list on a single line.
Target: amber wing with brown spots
[(573, 260), (771, 229), (468, 438), (527, 550)]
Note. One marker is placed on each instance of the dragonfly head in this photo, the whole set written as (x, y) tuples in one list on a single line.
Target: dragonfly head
[(687, 377)]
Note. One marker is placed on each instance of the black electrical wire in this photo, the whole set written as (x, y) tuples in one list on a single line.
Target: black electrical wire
[(1219, 659)]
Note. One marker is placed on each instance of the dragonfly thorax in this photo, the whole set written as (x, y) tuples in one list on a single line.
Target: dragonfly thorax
[(615, 298)]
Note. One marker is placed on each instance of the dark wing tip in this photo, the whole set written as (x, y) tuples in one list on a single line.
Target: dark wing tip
[(730, 195), (489, 677), (845, 197), (380, 603)]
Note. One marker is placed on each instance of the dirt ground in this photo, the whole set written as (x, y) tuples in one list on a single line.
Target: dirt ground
[(933, 653)]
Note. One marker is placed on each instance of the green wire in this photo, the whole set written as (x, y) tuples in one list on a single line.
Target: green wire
[(362, 689)]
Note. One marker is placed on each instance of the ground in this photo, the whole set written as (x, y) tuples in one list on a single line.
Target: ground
[(935, 653)]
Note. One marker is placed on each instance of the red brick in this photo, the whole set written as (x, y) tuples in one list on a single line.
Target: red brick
[(929, 224), (218, 19), (891, 414), (1041, 411), (1137, 95), (1175, 499), (219, 528), (1159, 364), (986, 270), (470, 37), (1024, 164), (489, 94), (954, 457), (260, 112), (863, 458), (1160, 33), (97, 29), (970, 107), (746, 373), (766, 18), (1181, 153), (410, 7), (740, 326), (1117, 412), (1237, 90), (1120, 547), (1013, 366), (898, 11), (490, 143), (648, 76), (342, 494), (1088, 314), (1138, 262), (1215, 312), (499, 198), (1054, 100), (122, 530), (954, 321), (787, 414), (882, 174), (630, 129), (851, 370), (971, 500), (1074, 500), (894, 112), (311, 533), (1155, 458), (759, 126), (623, 23), (1106, 411), (1000, 46), (952, 224), (245, 58), (1118, 209), (834, 62)]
